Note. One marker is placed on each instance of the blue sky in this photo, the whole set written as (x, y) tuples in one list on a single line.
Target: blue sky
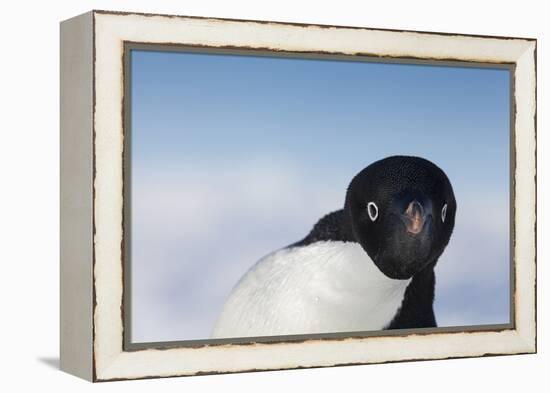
[(237, 156)]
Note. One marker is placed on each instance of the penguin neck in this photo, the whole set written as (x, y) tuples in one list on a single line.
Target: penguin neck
[(351, 287), (346, 226)]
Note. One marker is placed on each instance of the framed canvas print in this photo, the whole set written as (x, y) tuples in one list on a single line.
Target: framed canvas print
[(245, 195)]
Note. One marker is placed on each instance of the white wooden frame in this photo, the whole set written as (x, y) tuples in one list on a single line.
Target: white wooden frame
[(92, 142)]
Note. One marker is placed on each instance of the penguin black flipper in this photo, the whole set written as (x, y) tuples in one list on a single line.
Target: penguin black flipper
[(331, 227), (416, 310)]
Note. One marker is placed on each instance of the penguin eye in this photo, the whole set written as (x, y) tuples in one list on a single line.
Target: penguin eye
[(372, 209), (444, 213)]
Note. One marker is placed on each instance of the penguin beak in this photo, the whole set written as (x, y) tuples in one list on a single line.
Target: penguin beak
[(414, 217)]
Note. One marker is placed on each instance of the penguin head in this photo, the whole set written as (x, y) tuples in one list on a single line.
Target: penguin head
[(402, 212)]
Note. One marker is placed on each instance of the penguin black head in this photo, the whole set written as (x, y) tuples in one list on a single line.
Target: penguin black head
[(402, 212)]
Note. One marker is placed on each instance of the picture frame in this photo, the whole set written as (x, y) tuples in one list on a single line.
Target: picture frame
[(94, 339)]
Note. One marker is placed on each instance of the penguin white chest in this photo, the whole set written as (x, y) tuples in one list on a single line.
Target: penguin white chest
[(324, 287)]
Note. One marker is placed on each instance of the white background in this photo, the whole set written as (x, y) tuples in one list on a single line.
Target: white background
[(29, 238)]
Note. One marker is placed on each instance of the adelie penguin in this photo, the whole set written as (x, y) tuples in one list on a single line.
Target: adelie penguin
[(369, 266)]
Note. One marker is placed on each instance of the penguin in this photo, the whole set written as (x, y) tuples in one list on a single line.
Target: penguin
[(368, 266)]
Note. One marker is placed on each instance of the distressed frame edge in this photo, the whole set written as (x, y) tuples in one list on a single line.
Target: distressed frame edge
[(76, 196), (304, 24), (525, 194), (527, 338)]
